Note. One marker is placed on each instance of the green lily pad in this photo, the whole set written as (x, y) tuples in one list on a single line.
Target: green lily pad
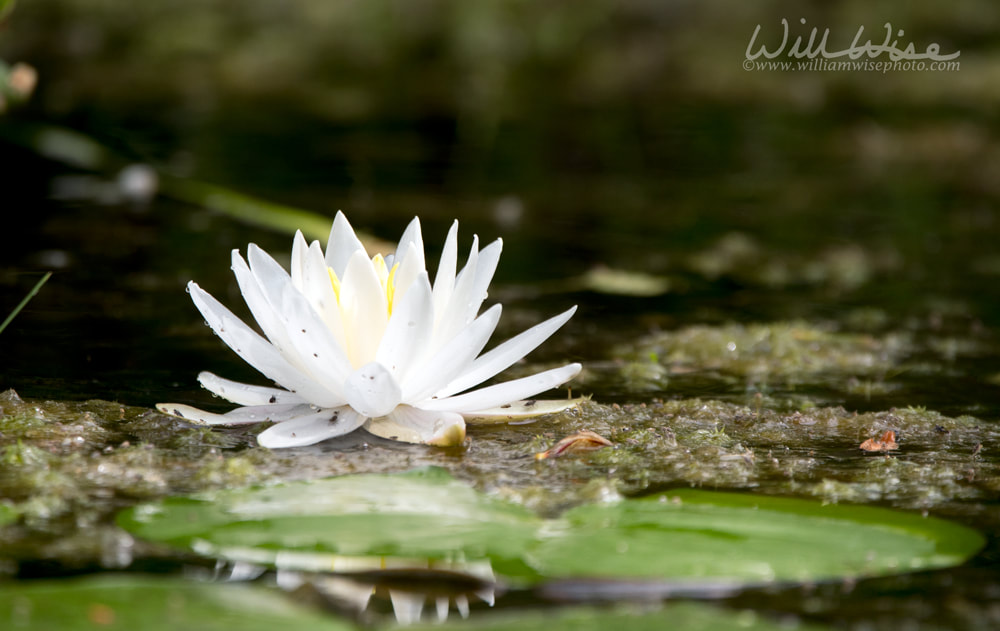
[(423, 514), (687, 616), (693, 534), (686, 535), (153, 604)]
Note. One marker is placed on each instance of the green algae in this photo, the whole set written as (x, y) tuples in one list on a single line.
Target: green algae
[(940, 464), (67, 464), (66, 467), (796, 365), (786, 352)]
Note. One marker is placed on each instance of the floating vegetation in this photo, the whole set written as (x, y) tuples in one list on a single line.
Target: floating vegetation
[(763, 356), (683, 535), (65, 467), (68, 465)]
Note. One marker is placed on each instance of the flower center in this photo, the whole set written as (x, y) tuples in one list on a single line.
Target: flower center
[(386, 278)]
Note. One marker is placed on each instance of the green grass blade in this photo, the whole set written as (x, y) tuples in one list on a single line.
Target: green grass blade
[(24, 302)]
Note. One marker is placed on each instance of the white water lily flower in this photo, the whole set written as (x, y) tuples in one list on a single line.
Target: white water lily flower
[(359, 341)]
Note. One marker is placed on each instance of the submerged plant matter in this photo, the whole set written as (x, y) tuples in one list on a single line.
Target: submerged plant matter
[(367, 341)]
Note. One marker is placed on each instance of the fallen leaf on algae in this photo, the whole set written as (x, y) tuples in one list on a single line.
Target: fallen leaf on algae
[(575, 443), (886, 443)]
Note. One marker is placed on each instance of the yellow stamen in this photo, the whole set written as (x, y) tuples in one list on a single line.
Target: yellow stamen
[(386, 278), (390, 286), (335, 282)]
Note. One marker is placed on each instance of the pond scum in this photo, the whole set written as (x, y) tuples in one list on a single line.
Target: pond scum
[(66, 468)]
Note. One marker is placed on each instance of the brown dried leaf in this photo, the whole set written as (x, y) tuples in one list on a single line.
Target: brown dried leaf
[(886, 443), (575, 443)]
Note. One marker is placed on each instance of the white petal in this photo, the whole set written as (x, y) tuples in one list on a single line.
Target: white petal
[(372, 390), (503, 356), (441, 608), (239, 416), (344, 590), (192, 414), (462, 604), (453, 358), (451, 319), (304, 338), (318, 289), (363, 305), (444, 280), (245, 393), (409, 329), (322, 356), (270, 275), (274, 413), (257, 352), (407, 606), (411, 236), (503, 393), (519, 410), (487, 595), (409, 269), (486, 266), (262, 309), (311, 428), (413, 425), (299, 247), (342, 245)]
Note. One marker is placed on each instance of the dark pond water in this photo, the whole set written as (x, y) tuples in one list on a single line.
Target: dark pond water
[(622, 136)]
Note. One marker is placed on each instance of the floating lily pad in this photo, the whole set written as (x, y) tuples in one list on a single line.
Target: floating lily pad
[(423, 514), (153, 604), (687, 616), (697, 534), (685, 535)]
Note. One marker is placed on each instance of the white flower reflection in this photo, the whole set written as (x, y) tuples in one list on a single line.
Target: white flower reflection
[(409, 584), (367, 341)]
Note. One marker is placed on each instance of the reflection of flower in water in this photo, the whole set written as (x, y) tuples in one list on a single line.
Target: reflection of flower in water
[(356, 340), (409, 584)]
